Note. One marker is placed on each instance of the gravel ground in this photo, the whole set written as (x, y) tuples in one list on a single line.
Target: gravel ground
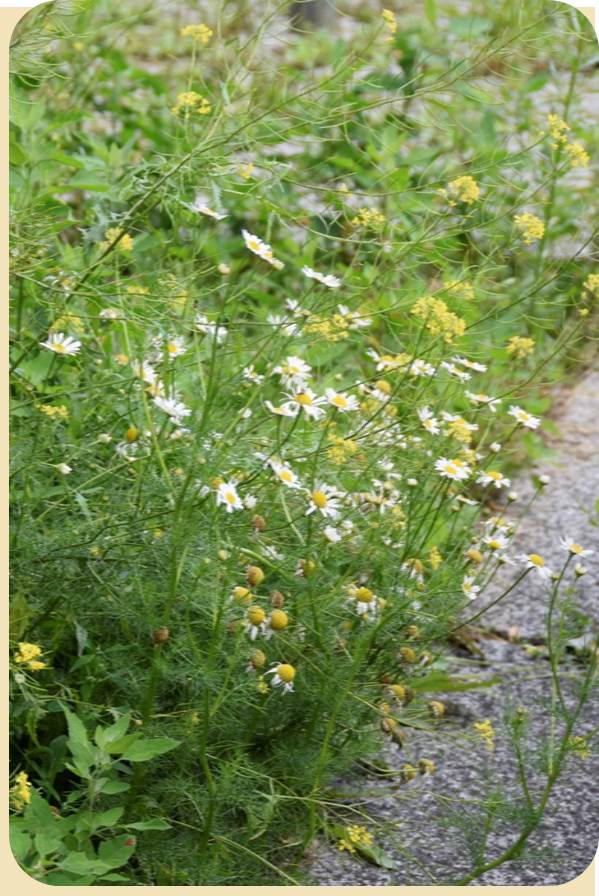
[(425, 843)]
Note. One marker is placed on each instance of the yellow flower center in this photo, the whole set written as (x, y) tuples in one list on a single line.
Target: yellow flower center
[(494, 474), (576, 548), (536, 559), (171, 348), (278, 620), (303, 399), (59, 347), (364, 595), (320, 499), (286, 475), (494, 544), (256, 615), (286, 672), (339, 401), (230, 497)]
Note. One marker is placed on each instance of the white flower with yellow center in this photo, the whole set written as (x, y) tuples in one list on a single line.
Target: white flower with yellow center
[(496, 541), (283, 410), (332, 534), (574, 548), (325, 500), (226, 494), (452, 469), (200, 206), (480, 398), (363, 602), (421, 368), (285, 474), (523, 417), (536, 562), (472, 365), (249, 374), (255, 622), (307, 401), (175, 409), (61, 344), (455, 371), (214, 331), (145, 372), (326, 279), (261, 249), (469, 588), (283, 675), (494, 477), (426, 417), (462, 424), (293, 371), (343, 403), (172, 346)]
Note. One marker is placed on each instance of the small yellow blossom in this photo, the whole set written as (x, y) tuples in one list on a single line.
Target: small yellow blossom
[(27, 656), (531, 228), (520, 346), (557, 130), (125, 243), (67, 323), (20, 792), (591, 284), (54, 411), (579, 157), (390, 21), (137, 290), (579, 745), (462, 189), (191, 103), (245, 170), (463, 289), (369, 217), (439, 320), (340, 449), (486, 731), (434, 558), (199, 33)]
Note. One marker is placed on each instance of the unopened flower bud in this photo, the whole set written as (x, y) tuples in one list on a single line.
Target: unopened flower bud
[(132, 434), (580, 570), (258, 523), (408, 772), (407, 655), (257, 658), (436, 709), (254, 575), (307, 567), (223, 555), (512, 496), (411, 482), (160, 635), (426, 766), (277, 599), (241, 595), (544, 480), (412, 631)]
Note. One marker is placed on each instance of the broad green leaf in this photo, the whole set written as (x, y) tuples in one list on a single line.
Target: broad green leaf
[(153, 824), (147, 749), (115, 852), (112, 787)]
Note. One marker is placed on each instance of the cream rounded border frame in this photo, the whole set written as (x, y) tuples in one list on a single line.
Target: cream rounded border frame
[(16, 881)]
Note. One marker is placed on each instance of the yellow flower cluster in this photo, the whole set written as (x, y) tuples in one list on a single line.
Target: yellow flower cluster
[(460, 430), (434, 558), (440, 321), (137, 290), (125, 244), (340, 449), (463, 289), (531, 228), (67, 323), (191, 103), (520, 346), (591, 284), (27, 655), (369, 217), (199, 33), (486, 731), (579, 745), (462, 189), (356, 835), (54, 411), (389, 20), (245, 170), (579, 157), (20, 792), (331, 329)]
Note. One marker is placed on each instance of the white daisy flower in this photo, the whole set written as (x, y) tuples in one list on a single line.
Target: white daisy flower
[(536, 562), (342, 402), (325, 499), (283, 675), (249, 374), (523, 417), (172, 407), (285, 474), (460, 375), (145, 372), (283, 410), (455, 418), (472, 365), (289, 328), (332, 534), (452, 469), (355, 320), (574, 548), (481, 398), (172, 346), (419, 367), (261, 249), (326, 279), (469, 588), (226, 494), (497, 541), (61, 344), (255, 622), (293, 371), (200, 206), (426, 417), (495, 447), (215, 331), (363, 602), (494, 477), (307, 401)]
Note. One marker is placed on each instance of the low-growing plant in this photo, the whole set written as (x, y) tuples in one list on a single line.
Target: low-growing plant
[(272, 339)]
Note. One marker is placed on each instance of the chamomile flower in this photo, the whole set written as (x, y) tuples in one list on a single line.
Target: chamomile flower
[(332, 534), (215, 331), (293, 371), (226, 494), (536, 562), (283, 410), (418, 367), (175, 409), (426, 417), (454, 469), (523, 417), (496, 541), (61, 344), (574, 548), (469, 588), (249, 374), (363, 602), (325, 500), (454, 370), (307, 401), (255, 622), (283, 675), (172, 346), (326, 279), (200, 206), (343, 403), (285, 474), (471, 365), (261, 249), (494, 477), (482, 399)]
